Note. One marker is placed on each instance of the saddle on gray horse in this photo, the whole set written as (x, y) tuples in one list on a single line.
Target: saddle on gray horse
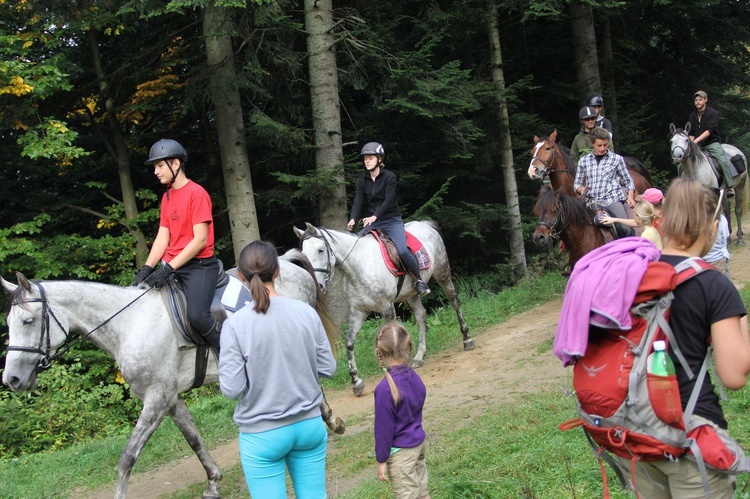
[(230, 295), (736, 166)]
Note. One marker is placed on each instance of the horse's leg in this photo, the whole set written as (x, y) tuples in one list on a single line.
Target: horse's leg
[(445, 281), (154, 410), (420, 314), (180, 414), (356, 319), (336, 424)]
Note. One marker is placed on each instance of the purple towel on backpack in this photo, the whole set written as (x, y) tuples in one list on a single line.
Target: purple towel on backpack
[(600, 292)]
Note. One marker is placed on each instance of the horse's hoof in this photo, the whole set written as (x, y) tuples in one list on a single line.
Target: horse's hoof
[(358, 387), (417, 363), (468, 344), (338, 426)]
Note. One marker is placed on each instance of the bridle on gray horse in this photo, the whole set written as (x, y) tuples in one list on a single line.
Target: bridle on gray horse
[(45, 348), (330, 268)]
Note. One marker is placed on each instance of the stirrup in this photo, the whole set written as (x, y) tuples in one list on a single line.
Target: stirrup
[(729, 192)]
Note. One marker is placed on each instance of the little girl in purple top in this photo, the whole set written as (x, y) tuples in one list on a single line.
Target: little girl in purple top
[(399, 399)]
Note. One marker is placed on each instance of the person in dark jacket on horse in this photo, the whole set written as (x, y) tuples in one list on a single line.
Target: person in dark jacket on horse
[(376, 198), (704, 131), (597, 103)]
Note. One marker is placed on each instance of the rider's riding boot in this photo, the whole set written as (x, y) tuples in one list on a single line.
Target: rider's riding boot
[(421, 288), (212, 337)]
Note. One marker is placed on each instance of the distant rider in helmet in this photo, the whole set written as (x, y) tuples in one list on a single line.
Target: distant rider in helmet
[(185, 242), (376, 197), (597, 103), (581, 145)]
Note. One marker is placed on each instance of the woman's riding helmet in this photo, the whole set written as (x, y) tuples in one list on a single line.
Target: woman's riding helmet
[(595, 100), (373, 149), (587, 112), (166, 149)]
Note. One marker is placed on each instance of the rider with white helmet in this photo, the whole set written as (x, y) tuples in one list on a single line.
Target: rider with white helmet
[(376, 200)]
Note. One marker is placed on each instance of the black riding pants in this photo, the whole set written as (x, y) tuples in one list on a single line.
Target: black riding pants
[(198, 278)]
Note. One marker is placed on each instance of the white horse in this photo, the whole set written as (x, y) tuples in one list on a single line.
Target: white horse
[(371, 287), (694, 164), (134, 326)]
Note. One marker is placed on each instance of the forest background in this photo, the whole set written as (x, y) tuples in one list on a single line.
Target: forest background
[(273, 101)]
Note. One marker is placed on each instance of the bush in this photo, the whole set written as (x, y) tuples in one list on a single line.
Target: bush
[(85, 398)]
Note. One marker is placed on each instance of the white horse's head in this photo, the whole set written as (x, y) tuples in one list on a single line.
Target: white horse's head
[(318, 250), (35, 333), (679, 142)]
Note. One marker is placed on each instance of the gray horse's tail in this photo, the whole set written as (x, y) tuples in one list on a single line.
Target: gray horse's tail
[(333, 331)]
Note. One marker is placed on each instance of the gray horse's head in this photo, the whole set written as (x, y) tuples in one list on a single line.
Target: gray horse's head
[(34, 332), (680, 144), (317, 249)]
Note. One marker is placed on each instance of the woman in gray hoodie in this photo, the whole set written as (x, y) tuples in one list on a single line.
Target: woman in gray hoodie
[(272, 354)]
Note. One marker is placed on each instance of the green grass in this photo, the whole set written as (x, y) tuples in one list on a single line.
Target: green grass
[(94, 463), (511, 449)]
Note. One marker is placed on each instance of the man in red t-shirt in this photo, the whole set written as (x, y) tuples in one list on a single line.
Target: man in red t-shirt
[(185, 242)]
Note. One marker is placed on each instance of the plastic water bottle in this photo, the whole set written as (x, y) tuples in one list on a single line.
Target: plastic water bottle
[(659, 362), (663, 389)]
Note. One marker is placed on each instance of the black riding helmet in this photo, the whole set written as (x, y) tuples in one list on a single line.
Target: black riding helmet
[(595, 100), (586, 112), (166, 149), (373, 149)]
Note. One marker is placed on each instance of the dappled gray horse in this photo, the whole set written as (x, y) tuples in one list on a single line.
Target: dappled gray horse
[(694, 164), (371, 287), (133, 326)]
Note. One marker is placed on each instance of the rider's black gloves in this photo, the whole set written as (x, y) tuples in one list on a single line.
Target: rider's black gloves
[(160, 277), (142, 274)]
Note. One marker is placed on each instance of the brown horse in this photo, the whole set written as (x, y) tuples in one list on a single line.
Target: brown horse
[(568, 218), (553, 162)]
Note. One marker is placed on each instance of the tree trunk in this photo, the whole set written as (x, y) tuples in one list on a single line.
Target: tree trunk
[(119, 151), (230, 127), (608, 76), (585, 59), (517, 251), (324, 90)]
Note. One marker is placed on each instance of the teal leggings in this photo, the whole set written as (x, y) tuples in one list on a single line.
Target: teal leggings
[(300, 447)]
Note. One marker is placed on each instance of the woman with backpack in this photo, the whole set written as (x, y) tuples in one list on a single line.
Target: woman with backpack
[(706, 310)]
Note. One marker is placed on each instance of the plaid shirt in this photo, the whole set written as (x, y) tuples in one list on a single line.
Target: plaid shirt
[(605, 179)]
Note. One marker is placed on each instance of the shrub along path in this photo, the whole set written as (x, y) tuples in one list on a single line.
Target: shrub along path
[(510, 360)]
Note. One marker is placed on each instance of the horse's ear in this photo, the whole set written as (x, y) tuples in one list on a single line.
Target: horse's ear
[(299, 232), (553, 135), (536, 139), (23, 282), (672, 129), (687, 127), (9, 286), (311, 228)]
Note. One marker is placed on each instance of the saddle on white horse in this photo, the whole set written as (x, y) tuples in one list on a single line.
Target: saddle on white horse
[(736, 165), (230, 295), (390, 253)]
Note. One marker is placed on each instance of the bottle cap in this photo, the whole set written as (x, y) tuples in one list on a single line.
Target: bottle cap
[(660, 345)]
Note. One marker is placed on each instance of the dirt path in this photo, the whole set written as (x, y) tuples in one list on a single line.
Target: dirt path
[(510, 359)]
